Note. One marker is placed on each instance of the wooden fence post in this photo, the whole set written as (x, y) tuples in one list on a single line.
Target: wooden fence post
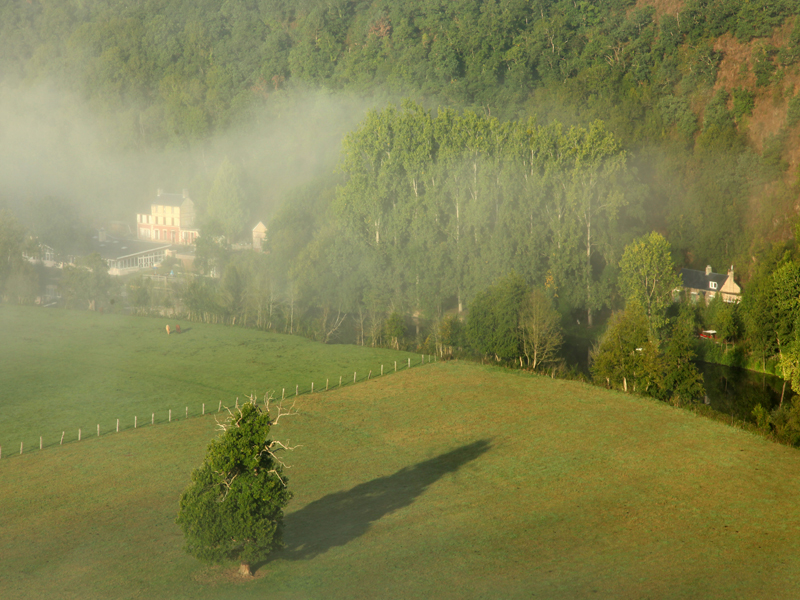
[(152, 418), (61, 443), (187, 412), (20, 447), (369, 374), (354, 376), (395, 366), (220, 406), (296, 388), (326, 384), (98, 430), (135, 421), (312, 387), (117, 426), (340, 381), (40, 442), (79, 434), (381, 369), (204, 408), (170, 415), (409, 363)]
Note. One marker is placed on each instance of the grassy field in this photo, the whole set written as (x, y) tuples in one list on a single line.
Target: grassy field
[(448, 481), (64, 370)]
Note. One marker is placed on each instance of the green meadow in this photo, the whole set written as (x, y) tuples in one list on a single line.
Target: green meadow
[(67, 370), (452, 480)]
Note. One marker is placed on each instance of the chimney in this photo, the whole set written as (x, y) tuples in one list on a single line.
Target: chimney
[(730, 272), (159, 192), (101, 235), (185, 193), (708, 270)]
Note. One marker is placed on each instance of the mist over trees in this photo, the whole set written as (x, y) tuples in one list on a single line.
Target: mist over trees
[(437, 207), (540, 139), (142, 96)]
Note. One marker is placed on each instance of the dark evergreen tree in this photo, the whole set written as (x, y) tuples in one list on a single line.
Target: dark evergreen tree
[(233, 509)]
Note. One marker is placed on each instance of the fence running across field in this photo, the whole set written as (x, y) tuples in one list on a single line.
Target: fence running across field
[(169, 415)]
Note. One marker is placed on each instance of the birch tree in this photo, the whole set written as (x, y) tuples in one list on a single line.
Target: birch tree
[(541, 329)]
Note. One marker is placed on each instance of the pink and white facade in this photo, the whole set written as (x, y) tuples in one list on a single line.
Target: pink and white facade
[(171, 220)]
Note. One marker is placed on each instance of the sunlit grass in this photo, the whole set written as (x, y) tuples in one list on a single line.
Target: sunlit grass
[(67, 370), (449, 481)]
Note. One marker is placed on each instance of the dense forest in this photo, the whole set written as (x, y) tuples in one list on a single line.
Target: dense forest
[(700, 94), (418, 159)]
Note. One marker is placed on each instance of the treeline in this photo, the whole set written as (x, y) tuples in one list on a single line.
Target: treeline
[(431, 209)]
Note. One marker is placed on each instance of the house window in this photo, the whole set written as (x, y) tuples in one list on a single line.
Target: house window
[(712, 285), (157, 233)]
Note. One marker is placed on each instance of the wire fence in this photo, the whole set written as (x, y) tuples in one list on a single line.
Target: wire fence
[(169, 415)]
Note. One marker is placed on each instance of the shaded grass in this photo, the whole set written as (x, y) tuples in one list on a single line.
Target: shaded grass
[(64, 370), (452, 481)]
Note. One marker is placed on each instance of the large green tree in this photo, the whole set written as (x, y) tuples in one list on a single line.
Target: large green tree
[(493, 321), (647, 276), (620, 360), (233, 508)]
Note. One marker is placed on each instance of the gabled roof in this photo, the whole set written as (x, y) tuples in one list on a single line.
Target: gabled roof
[(698, 280), (260, 227)]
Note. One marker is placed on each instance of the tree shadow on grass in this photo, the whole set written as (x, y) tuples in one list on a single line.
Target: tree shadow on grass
[(342, 517)]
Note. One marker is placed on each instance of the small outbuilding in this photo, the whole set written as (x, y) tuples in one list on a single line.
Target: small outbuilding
[(259, 235)]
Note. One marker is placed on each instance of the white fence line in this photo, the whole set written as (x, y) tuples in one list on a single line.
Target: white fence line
[(219, 408)]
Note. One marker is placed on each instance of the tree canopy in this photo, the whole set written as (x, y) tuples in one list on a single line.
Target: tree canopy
[(233, 508), (647, 276)]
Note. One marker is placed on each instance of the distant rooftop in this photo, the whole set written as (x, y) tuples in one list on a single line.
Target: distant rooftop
[(170, 198), (698, 280), (114, 248)]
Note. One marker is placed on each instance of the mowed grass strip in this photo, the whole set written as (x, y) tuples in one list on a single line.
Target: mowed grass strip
[(64, 370), (453, 481)]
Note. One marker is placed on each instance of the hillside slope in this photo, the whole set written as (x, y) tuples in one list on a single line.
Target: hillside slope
[(449, 481)]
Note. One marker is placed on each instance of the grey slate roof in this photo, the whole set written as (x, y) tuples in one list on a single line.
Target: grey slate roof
[(698, 280), (115, 249), (169, 199)]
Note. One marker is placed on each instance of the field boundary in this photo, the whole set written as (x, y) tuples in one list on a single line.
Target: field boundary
[(168, 416)]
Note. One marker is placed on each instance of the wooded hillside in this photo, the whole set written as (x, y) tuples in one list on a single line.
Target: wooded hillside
[(700, 94)]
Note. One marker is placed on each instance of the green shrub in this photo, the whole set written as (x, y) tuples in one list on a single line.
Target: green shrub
[(764, 66), (761, 415), (743, 103)]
